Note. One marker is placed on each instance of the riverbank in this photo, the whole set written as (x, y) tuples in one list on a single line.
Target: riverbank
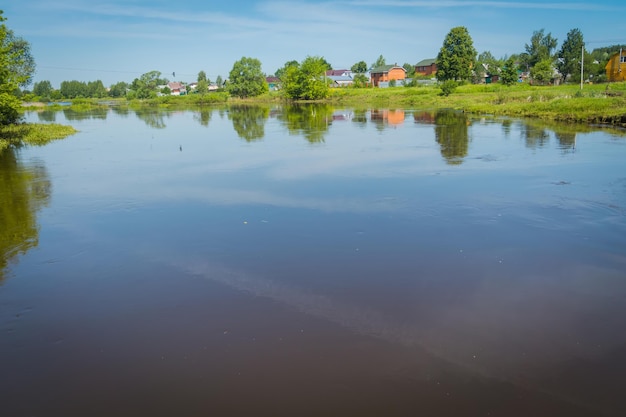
[(32, 134), (599, 103)]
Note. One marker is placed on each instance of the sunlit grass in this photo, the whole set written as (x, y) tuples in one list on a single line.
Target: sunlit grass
[(32, 134)]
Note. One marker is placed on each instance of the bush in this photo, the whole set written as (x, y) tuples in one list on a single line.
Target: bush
[(448, 87)]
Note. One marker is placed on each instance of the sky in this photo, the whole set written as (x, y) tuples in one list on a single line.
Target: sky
[(118, 40)]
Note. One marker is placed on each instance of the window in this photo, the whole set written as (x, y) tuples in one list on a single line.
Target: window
[(622, 59)]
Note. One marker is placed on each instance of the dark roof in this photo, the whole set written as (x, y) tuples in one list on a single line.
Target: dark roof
[(272, 79), (385, 68), (337, 72), (426, 62)]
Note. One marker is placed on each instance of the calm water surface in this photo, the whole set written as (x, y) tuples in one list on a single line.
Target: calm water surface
[(313, 261)]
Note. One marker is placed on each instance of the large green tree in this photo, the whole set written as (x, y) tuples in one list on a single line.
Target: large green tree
[(540, 48), (17, 67), (359, 68), (246, 78), (379, 62), (43, 89), (570, 54), (280, 72), (306, 81), (509, 72), (457, 56)]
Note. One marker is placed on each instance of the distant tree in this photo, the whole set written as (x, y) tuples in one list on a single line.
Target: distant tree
[(457, 56), (509, 72), (359, 68), (219, 81), (410, 69), (74, 89), (360, 80), (17, 67), (543, 71), (541, 48), (146, 85), (166, 91), (246, 78), (201, 76), (280, 72), (326, 63), (379, 62), (203, 87), (118, 89), (43, 89), (570, 54), (306, 81), (96, 89)]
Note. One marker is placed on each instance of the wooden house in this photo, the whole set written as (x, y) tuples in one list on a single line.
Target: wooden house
[(616, 67), (426, 67)]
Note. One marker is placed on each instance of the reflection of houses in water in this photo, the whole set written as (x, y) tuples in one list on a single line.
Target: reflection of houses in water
[(342, 115), (392, 117), (425, 117)]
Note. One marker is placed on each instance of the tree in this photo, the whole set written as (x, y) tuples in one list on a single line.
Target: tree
[(379, 62), (96, 89), (201, 76), (219, 81), (43, 89), (203, 87), (509, 72), (246, 78), (146, 86), (306, 81), (410, 69), (118, 89), (543, 72), (541, 47), (16, 70), (280, 72), (360, 81), (457, 56), (570, 54), (359, 68)]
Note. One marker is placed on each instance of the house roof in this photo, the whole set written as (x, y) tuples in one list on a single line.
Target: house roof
[(426, 62), (337, 73), (272, 79), (385, 68)]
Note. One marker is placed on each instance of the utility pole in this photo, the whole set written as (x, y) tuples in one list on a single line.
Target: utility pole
[(582, 64)]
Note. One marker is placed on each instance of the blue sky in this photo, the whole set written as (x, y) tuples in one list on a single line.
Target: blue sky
[(118, 40)]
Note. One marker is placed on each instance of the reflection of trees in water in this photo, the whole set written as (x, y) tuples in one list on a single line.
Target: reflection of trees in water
[(47, 115), (535, 136), (308, 120), (567, 140), (360, 117), (249, 121), (151, 117), (122, 111), (204, 116), (506, 127), (451, 133), (99, 113), (24, 189)]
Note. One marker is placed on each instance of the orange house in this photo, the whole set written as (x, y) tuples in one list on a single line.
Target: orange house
[(616, 67), (387, 73)]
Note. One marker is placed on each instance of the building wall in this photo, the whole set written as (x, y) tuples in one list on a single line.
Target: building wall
[(426, 70), (616, 70)]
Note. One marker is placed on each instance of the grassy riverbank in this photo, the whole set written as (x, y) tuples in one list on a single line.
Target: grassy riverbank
[(32, 134), (600, 103)]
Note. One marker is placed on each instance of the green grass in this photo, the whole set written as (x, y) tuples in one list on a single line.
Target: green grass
[(32, 134)]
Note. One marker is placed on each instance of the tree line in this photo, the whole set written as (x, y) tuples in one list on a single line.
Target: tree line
[(457, 62)]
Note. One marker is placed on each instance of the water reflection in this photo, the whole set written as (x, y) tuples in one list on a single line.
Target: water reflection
[(451, 133), (309, 120), (204, 116), (249, 121), (96, 113), (47, 116), (24, 189), (384, 118), (152, 117)]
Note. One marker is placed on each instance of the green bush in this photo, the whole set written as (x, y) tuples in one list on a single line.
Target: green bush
[(448, 87)]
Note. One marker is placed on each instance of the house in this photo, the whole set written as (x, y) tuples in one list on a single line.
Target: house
[(273, 83), (176, 88), (616, 67), (339, 73), (426, 67), (340, 80), (387, 73)]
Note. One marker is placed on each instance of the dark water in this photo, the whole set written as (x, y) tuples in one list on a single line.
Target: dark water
[(313, 261)]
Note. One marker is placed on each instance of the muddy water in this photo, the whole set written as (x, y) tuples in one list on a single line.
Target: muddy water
[(313, 261)]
